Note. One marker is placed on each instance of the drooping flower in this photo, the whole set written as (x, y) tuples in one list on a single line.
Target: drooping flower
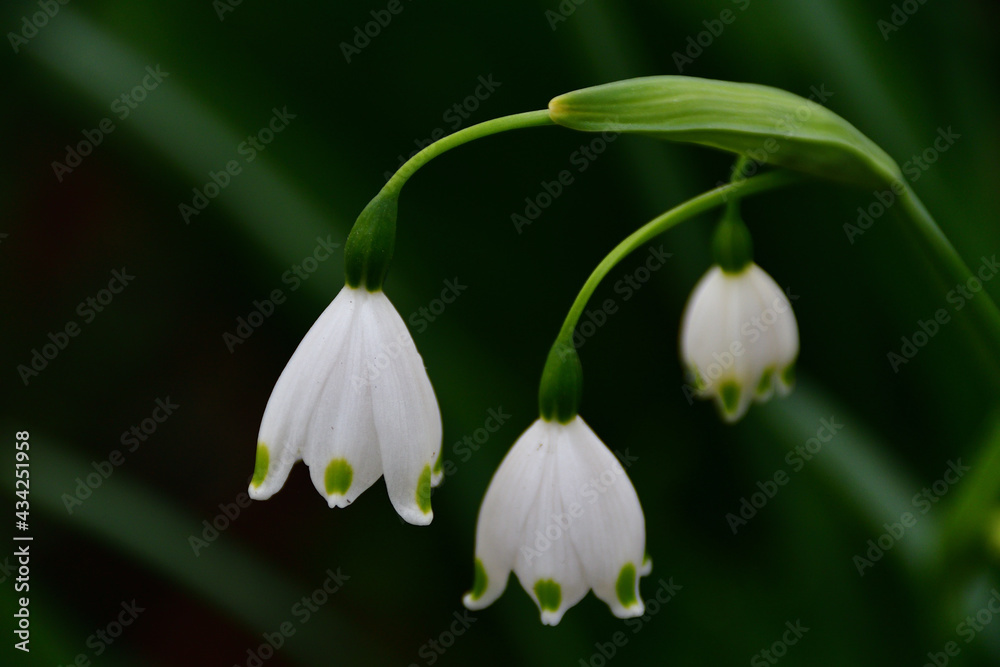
[(355, 403), (562, 514), (739, 339)]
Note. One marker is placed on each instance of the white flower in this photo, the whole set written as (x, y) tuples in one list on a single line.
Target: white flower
[(739, 339), (561, 512), (355, 403)]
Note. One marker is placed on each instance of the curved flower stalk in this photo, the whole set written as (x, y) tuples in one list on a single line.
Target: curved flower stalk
[(355, 403), (739, 339), (562, 514)]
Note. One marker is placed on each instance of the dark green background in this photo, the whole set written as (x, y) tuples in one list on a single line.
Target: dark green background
[(162, 337)]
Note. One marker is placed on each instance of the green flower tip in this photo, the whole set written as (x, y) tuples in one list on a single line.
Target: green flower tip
[(260, 466), (625, 586), (788, 375), (479, 582), (561, 389), (338, 477), (370, 244), (424, 490), (729, 393), (549, 594), (764, 386)]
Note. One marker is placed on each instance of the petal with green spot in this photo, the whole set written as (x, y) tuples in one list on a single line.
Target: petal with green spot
[(339, 475), (549, 594), (261, 465)]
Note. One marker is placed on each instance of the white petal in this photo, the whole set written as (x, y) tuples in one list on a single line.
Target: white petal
[(341, 443), (700, 330), (405, 410), (609, 535), (283, 432), (547, 564), (785, 334), (502, 517)]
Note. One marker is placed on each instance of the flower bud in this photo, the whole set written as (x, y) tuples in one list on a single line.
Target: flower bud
[(767, 124)]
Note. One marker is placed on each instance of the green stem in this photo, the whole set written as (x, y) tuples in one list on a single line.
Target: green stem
[(703, 202), (950, 266), (484, 129)]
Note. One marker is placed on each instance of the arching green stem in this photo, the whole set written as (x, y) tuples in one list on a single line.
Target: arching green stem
[(692, 207), (952, 268), (484, 129), (561, 388), (369, 247)]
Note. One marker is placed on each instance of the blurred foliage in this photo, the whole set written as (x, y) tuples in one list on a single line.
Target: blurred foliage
[(162, 336)]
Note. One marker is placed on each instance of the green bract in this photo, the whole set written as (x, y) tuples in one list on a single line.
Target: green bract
[(370, 244), (768, 125), (561, 388), (732, 246)]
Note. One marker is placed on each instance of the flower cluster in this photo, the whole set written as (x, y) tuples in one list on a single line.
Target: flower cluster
[(356, 404)]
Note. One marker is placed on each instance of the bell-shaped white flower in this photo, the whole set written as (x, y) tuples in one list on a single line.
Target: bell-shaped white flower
[(739, 339), (355, 403), (562, 514)]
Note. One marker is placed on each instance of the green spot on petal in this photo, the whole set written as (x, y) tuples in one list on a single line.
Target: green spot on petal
[(480, 581), (788, 375), (730, 394), (260, 467), (338, 476), (764, 385), (424, 490), (549, 594), (625, 586)]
